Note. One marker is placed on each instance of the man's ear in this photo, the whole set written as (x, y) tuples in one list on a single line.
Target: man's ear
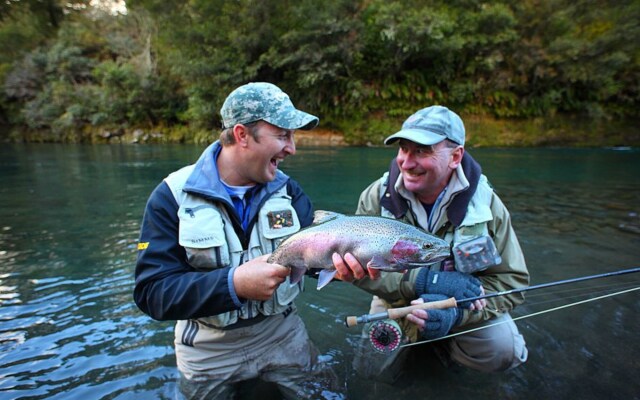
[(241, 134), (456, 157)]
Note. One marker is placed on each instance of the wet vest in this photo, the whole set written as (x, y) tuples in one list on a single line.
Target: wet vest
[(207, 234)]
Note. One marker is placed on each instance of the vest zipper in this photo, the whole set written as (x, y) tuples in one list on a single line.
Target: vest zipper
[(192, 210)]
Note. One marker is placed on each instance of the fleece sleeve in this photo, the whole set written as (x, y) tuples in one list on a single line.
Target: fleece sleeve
[(166, 286)]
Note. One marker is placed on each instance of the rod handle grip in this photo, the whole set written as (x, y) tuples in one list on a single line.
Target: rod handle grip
[(396, 313), (351, 321)]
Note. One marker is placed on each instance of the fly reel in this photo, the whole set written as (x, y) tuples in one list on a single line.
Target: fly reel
[(385, 336)]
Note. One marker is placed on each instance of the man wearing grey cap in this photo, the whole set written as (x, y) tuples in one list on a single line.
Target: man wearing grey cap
[(435, 185), (205, 238)]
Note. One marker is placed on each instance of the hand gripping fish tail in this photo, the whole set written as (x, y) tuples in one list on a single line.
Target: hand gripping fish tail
[(389, 244)]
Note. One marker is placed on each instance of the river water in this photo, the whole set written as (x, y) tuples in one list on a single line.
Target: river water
[(69, 220)]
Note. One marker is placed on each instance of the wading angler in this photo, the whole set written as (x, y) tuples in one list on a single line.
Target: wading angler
[(206, 235)]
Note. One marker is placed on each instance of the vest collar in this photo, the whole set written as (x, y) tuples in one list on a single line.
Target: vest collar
[(398, 206), (205, 180)]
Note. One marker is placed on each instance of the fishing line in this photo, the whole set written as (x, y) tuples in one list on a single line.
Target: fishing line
[(533, 299), (587, 287), (523, 317), (386, 338), (395, 313), (600, 287)]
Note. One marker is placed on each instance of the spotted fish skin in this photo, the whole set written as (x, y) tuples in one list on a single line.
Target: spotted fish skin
[(389, 244)]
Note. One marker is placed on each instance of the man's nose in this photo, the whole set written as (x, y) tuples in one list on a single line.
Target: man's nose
[(407, 161), (290, 147)]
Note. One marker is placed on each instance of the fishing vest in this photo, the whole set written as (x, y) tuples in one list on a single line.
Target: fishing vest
[(473, 225), (207, 234)]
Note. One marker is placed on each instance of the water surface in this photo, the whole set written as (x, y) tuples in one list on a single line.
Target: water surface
[(69, 220)]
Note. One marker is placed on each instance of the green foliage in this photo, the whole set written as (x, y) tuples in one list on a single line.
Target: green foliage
[(362, 66), (88, 79)]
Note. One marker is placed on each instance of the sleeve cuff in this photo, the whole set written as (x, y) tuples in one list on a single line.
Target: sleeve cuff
[(459, 317), (232, 288), (421, 281)]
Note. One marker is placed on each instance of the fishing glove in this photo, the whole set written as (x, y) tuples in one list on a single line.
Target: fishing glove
[(447, 283), (439, 321)]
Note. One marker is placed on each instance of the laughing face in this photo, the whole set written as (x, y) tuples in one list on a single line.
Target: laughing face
[(426, 169), (270, 146)]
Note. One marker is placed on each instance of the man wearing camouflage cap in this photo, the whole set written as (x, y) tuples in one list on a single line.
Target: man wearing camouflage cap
[(435, 185), (204, 243)]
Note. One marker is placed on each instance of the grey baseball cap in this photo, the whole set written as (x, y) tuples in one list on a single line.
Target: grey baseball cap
[(430, 126), (264, 101)]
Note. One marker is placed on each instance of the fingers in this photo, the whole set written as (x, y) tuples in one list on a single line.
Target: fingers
[(374, 273), (417, 301), (276, 271), (354, 265), (257, 280), (482, 303), (416, 320), (476, 306), (479, 304), (349, 268), (418, 317), (262, 258), (281, 271), (343, 271)]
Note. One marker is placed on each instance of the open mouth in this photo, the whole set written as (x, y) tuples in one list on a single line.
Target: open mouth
[(276, 161), (413, 174)]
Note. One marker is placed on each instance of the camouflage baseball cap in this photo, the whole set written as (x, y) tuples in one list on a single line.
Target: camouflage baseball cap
[(264, 101), (431, 125)]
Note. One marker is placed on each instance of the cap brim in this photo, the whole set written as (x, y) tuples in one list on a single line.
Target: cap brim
[(419, 136), (294, 119)]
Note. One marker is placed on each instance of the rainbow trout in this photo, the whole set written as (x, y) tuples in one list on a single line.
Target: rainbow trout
[(391, 245)]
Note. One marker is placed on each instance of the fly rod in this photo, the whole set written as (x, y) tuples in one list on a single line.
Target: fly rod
[(396, 313)]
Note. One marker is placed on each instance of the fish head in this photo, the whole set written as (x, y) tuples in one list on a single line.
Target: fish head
[(412, 252)]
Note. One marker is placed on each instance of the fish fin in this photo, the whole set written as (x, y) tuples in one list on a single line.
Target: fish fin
[(379, 262), (326, 276), (297, 272), (322, 216)]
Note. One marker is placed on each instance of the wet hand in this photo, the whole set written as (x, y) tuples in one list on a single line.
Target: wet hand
[(257, 279), (349, 268)]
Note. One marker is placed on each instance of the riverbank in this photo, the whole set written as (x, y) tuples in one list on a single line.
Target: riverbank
[(560, 131)]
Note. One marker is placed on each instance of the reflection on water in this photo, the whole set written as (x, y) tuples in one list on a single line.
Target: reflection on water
[(69, 219)]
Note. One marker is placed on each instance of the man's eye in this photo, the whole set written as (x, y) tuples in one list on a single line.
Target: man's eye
[(285, 135)]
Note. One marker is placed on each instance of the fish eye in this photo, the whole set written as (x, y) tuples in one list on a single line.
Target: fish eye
[(427, 246)]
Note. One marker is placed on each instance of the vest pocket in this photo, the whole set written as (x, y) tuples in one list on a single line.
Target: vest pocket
[(278, 220), (201, 233)]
